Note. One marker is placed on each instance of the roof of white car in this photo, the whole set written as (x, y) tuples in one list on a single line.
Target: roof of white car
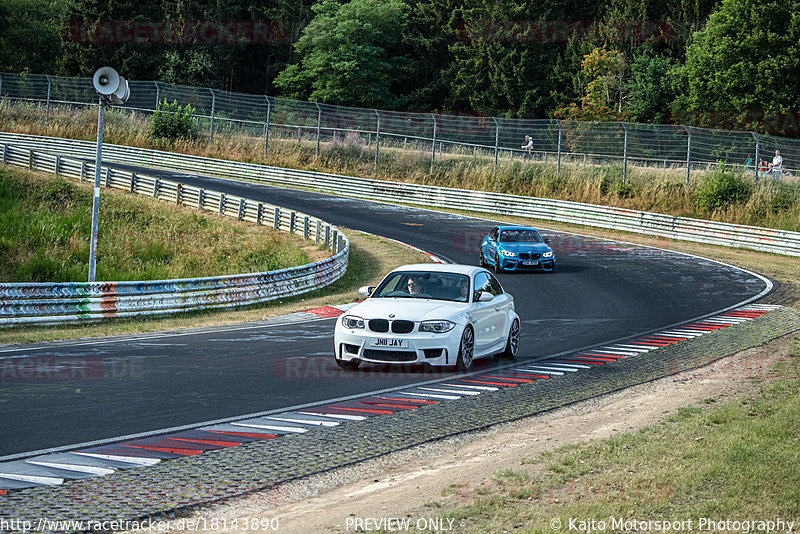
[(440, 268)]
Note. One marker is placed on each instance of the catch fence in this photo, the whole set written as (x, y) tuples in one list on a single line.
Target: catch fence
[(435, 136)]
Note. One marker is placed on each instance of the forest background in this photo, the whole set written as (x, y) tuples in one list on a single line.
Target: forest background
[(731, 64)]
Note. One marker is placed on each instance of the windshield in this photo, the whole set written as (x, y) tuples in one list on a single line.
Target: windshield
[(424, 285), (520, 236)]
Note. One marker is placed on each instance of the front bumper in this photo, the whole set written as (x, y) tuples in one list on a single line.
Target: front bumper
[(516, 264), (404, 349)]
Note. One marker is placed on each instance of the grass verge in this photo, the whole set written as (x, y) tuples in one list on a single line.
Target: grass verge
[(45, 222), (701, 469)]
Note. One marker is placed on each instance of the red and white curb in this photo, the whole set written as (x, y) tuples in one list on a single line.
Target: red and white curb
[(53, 469)]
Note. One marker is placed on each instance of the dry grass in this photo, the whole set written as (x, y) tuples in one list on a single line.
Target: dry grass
[(646, 188)]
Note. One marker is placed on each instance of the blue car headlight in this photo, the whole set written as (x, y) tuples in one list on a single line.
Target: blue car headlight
[(436, 327), (508, 253), (548, 254), (352, 321)]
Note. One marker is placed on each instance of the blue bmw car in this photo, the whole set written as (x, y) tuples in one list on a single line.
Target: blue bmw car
[(517, 248)]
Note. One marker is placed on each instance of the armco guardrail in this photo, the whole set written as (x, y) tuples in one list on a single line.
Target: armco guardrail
[(51, 303), (685, 229)]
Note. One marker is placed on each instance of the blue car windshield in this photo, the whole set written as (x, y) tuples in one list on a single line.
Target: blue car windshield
[(424, 285), (520, 236)]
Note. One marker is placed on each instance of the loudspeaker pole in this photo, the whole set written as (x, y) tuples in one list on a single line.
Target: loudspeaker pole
[(114, 89), (96, 197)]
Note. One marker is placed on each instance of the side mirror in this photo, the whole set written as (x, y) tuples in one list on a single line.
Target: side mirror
[(546, 239), (485, 296), (366, 290)]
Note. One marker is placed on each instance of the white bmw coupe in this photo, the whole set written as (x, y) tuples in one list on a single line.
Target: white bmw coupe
[(442, 315)]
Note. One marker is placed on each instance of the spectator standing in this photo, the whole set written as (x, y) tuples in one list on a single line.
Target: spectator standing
[(763, 168), (528, 146), (777, 165)]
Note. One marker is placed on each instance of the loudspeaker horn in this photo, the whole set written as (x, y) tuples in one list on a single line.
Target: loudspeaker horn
[(122, 93), (106, 81)]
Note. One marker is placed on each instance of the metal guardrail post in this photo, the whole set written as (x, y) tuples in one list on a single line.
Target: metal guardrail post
[(377, 141), (305, 227), (222, 203), (496, 143), (47, 109), (558, 162), (178, 193), (83, 169), (266, 125), (625, 154), (133, 182), (688, 153), (317, 232), (156, 187), (5, 158), (57, 165), (277, 223), (31, 161), (260, 213), (292, 221), (200, 199), (213, 110), (755, 161), (327, 236), (158, 92), (240, 215), (319, 125)]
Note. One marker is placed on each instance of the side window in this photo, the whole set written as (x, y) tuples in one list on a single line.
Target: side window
[(496, 288), (493, 235), (482, 283)]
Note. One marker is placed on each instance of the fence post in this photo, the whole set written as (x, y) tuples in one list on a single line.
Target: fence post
[(83, 165), (377, 140), (260, 213), (755, 161), (156, 187), (213, 109), (433, 144), (1, 89), (47, 109), (688, 153), (158, 93), (58, 164), (319, 124), (558, 162), (266, 125), (178, 192), (133, 182), (305, 227), (277, 222), (625, 154), (222, 203), (496, 143), (240, 215), (200, 199)]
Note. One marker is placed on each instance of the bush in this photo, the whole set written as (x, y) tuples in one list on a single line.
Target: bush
[(171, 121), (723, 188)]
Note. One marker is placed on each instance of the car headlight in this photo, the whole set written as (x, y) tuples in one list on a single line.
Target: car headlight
[(437, 327), (352, 321), (548, 254), (508, 253)]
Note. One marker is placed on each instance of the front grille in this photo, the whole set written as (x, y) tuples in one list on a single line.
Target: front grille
[(389, 355), (524, 256), (379, 325), (402, 327), (352, 349)]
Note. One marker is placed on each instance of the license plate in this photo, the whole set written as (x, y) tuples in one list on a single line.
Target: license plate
[(530, 263), (389, 343)]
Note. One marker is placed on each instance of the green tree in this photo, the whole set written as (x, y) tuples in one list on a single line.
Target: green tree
[(28, 38), (171, 121), (743, 69), (347, 55), (650, 88), (604, 73)]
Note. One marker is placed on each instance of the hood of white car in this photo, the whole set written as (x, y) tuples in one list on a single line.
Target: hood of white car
[(409, 309)]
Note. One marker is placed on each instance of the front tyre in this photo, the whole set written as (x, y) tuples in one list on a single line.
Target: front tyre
[(482, 259), (512, 344), (498, 268), (348, 365), (466, 350)]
